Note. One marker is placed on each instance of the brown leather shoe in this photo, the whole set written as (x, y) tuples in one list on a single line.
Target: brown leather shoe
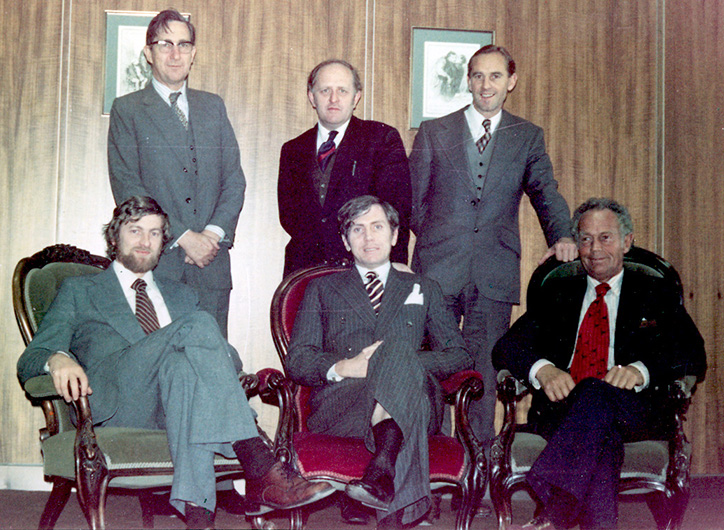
[(537, 523), (282, 488)]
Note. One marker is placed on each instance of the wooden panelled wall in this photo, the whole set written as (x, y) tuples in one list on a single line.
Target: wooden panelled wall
[(593, 74)]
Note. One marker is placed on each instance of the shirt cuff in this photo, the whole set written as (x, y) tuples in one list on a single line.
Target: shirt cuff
[(332, 375), (641, 367), (175, 243), (216, 230), (534, 372)]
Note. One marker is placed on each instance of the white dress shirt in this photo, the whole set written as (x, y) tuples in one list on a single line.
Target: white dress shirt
[(126, 279), (475, 122), (323, 134)]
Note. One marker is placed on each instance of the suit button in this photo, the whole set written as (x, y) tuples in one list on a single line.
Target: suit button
[(188, 200), (480, 164), (186, 170), (193, 160), (473, 202), (191, 147), (324, 219), (476, 229), (480, 176)]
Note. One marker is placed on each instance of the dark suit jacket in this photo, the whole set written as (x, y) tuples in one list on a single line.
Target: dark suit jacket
[(371, 160), (148, 155), (90, 319), (462, 239), (651, 326), (336, 321)]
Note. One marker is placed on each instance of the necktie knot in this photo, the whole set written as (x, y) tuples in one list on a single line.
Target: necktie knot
[(485, 138), (139, 285), (326, 150), (602, 289), (173, 97), (370, 277)]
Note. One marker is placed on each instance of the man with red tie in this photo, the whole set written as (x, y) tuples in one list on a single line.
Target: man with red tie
[(597, 347)]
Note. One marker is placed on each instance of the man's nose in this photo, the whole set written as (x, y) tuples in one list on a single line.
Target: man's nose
[(333, 96)]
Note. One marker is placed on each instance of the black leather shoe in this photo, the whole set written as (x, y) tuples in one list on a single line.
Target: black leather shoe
[(353, 512), (198, 518), (375, 490)]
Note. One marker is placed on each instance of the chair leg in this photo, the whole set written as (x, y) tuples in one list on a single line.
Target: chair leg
[(147, 501), (668, 510), (56, 502), (473, 489)]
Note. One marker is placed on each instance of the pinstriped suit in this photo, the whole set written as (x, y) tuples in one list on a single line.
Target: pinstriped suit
[(336, 321)]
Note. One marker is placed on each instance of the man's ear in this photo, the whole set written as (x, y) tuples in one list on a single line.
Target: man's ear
[(394, 236), (147, 54), (627, 242), (346, 245), (311, 98)]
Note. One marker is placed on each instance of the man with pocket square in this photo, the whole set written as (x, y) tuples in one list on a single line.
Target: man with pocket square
[(357, 342), (597, 346)]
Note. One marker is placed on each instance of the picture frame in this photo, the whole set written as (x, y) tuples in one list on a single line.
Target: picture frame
[(126, 69), (438, 70)]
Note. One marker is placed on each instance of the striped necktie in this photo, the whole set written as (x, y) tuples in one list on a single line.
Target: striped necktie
[(375, 290), (326, 150), (591, 356), (173, 98), (485, 138), (145, 313)]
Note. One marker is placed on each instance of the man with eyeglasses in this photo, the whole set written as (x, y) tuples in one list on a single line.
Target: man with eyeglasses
[(176, 144)]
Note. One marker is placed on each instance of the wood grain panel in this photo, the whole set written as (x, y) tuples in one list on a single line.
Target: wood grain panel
[(693, 195), (32, 41)]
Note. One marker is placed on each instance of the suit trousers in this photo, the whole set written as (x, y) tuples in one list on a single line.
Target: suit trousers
[(181, 378), (484, 322), (584, 454)]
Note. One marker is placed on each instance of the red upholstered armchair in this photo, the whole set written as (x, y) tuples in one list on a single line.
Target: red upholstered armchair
[(457, 460)]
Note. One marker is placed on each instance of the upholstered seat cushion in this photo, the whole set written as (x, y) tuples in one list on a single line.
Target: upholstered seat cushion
[(124, 448), (647, 459), (345, 459)]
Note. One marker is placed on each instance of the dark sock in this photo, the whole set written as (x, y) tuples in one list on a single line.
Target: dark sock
[(255, 457), (388, 441), (563, 509), (198, 517)]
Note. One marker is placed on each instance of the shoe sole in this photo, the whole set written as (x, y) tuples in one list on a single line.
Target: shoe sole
[(359, 494), (261, 509)]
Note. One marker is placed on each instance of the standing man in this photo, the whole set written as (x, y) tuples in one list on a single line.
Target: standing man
[(357, 341), (176, 145), (599, 346), (146, 357), (342, 157), (469, 171)]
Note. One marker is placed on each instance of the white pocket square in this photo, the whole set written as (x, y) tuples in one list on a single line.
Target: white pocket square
[(415, 297)]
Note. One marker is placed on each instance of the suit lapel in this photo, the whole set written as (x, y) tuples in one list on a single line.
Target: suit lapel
[(161, 115), (176, 304), (350, 287), (397, 288), (111, 303), (345, 160), (454, 135), (628, 316), (505, 149)]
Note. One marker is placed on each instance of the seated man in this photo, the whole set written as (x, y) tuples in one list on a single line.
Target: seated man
[(357, 340), (597, 346), (168, 367)]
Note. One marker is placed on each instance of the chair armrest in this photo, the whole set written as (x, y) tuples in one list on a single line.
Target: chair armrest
[(510, 389), (249, 382), (277, 390), (41, 387), (452, 384)]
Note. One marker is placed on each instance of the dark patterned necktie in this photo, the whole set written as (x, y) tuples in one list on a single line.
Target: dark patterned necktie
[(145, 313), (326, 150), (591, 356), (375, 290), (485, 138), (173, 98)]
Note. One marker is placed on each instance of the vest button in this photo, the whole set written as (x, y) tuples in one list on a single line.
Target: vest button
[(476, 229), (188, 200)]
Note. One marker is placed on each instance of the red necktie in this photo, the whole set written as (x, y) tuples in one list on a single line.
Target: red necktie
[(591, 356), (326, 150), (145, 313)]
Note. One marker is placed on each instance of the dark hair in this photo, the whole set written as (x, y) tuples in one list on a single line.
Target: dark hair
[(353, 208), (131, 210), (314, 74), (161, 22), (625, 223), (491, 48)]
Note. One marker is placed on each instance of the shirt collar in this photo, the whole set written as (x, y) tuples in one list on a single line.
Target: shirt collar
[(383, 271), (475, 121), (614, 283), (323, 133), (164, 91), (127, 277)]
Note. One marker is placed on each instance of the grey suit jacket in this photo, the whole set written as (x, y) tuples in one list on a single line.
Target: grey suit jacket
[(90, 319), (148, 154), (336, 321), (461, 238)]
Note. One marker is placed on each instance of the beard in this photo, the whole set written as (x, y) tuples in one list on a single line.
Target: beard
[(136, 264)]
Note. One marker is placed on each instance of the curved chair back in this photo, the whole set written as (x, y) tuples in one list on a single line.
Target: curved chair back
[(636, 259)]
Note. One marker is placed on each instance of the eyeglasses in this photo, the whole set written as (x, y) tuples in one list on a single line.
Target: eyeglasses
[(166, 46)]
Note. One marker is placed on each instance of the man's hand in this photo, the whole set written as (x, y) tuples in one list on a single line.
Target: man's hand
[(565, 249), (357, 365), (625, 377), (556, 383), (69, 378), (201, 247)]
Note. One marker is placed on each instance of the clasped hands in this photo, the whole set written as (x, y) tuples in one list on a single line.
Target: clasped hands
[(357, 365), (201, 247), (557, 384), (69, 378)]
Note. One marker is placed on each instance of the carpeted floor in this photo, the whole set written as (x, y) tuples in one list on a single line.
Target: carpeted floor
[(21, 510)]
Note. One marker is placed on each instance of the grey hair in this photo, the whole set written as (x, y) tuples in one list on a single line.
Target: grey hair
[(625, 223)]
